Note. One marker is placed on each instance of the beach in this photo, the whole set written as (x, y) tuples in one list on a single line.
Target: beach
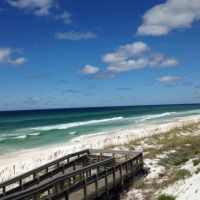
[(17, 163)]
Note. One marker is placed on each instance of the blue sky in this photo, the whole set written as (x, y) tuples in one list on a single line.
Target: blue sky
[(75, 53)]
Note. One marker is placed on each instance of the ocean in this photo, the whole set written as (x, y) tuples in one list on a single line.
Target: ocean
[(23, 130)]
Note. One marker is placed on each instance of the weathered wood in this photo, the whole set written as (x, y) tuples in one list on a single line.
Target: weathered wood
[(88, 180)]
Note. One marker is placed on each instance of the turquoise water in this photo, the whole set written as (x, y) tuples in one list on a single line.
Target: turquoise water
[(28, 129)]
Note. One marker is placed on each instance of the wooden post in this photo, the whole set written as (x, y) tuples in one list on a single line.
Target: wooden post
[(106, 182), (132, 173), (121, 177), (96, 185), (114, 178), (126, 169), (4, 191), (66, 195), (20, 183), (85, 189), (48, 192), (137, 164), (74, 166), (74, 178), (69, 182)]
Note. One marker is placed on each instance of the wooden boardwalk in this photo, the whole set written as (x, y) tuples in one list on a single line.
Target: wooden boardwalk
[(89, 174)]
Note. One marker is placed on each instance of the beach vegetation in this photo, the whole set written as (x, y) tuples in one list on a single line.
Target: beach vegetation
[(172, 160), (166, 197), (196, 162), (172, 150), (197, 170), (183, 173)]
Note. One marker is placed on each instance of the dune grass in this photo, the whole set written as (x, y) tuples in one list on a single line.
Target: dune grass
[(178, 145), (166, 197)]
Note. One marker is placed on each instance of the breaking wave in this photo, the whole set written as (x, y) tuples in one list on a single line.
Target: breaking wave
[(75, 124)]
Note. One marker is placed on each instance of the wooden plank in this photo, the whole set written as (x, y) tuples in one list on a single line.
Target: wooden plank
[(89, 181)]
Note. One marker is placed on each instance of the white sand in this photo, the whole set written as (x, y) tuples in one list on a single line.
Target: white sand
[(27, 160), (188, 189)]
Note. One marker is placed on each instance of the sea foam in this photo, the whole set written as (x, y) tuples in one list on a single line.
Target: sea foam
[(75, 124)]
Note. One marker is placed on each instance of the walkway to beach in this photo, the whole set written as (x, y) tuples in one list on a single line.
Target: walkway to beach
[(88, 174)]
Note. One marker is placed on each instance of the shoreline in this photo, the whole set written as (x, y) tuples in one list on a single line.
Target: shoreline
[(30, 159)]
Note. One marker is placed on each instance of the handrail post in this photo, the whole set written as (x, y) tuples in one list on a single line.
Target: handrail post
[(4, 191), (114, 177), (85, 189), (132, 174), (96, 185), (121, 177), (20, 183), (66, 195), (106, 182), (126, 169), (137, 163)]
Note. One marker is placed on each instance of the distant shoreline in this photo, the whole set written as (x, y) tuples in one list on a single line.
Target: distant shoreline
[(96, 107)]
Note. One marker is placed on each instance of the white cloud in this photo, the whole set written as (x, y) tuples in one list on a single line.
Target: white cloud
[(38, 7), (173, 14), (168, 79), (170, 62), (136, 56), (72, 35), (134, 48), (128, 65), (66, 17), (5, 57), (124, 52), (89, 69)]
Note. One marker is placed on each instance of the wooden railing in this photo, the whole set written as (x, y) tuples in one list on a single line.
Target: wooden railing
[(34, 175), (119, 174), (54, 185), (104, 171)]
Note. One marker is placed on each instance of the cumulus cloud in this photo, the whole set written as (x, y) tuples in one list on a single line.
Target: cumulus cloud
[(136, 56), (132, 56), (6, 57), (170, 62), (38, 7), (124, 52), (41, 8), (73, 35), (173, 14), (128, 65), (168, 79), (89, 69)]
